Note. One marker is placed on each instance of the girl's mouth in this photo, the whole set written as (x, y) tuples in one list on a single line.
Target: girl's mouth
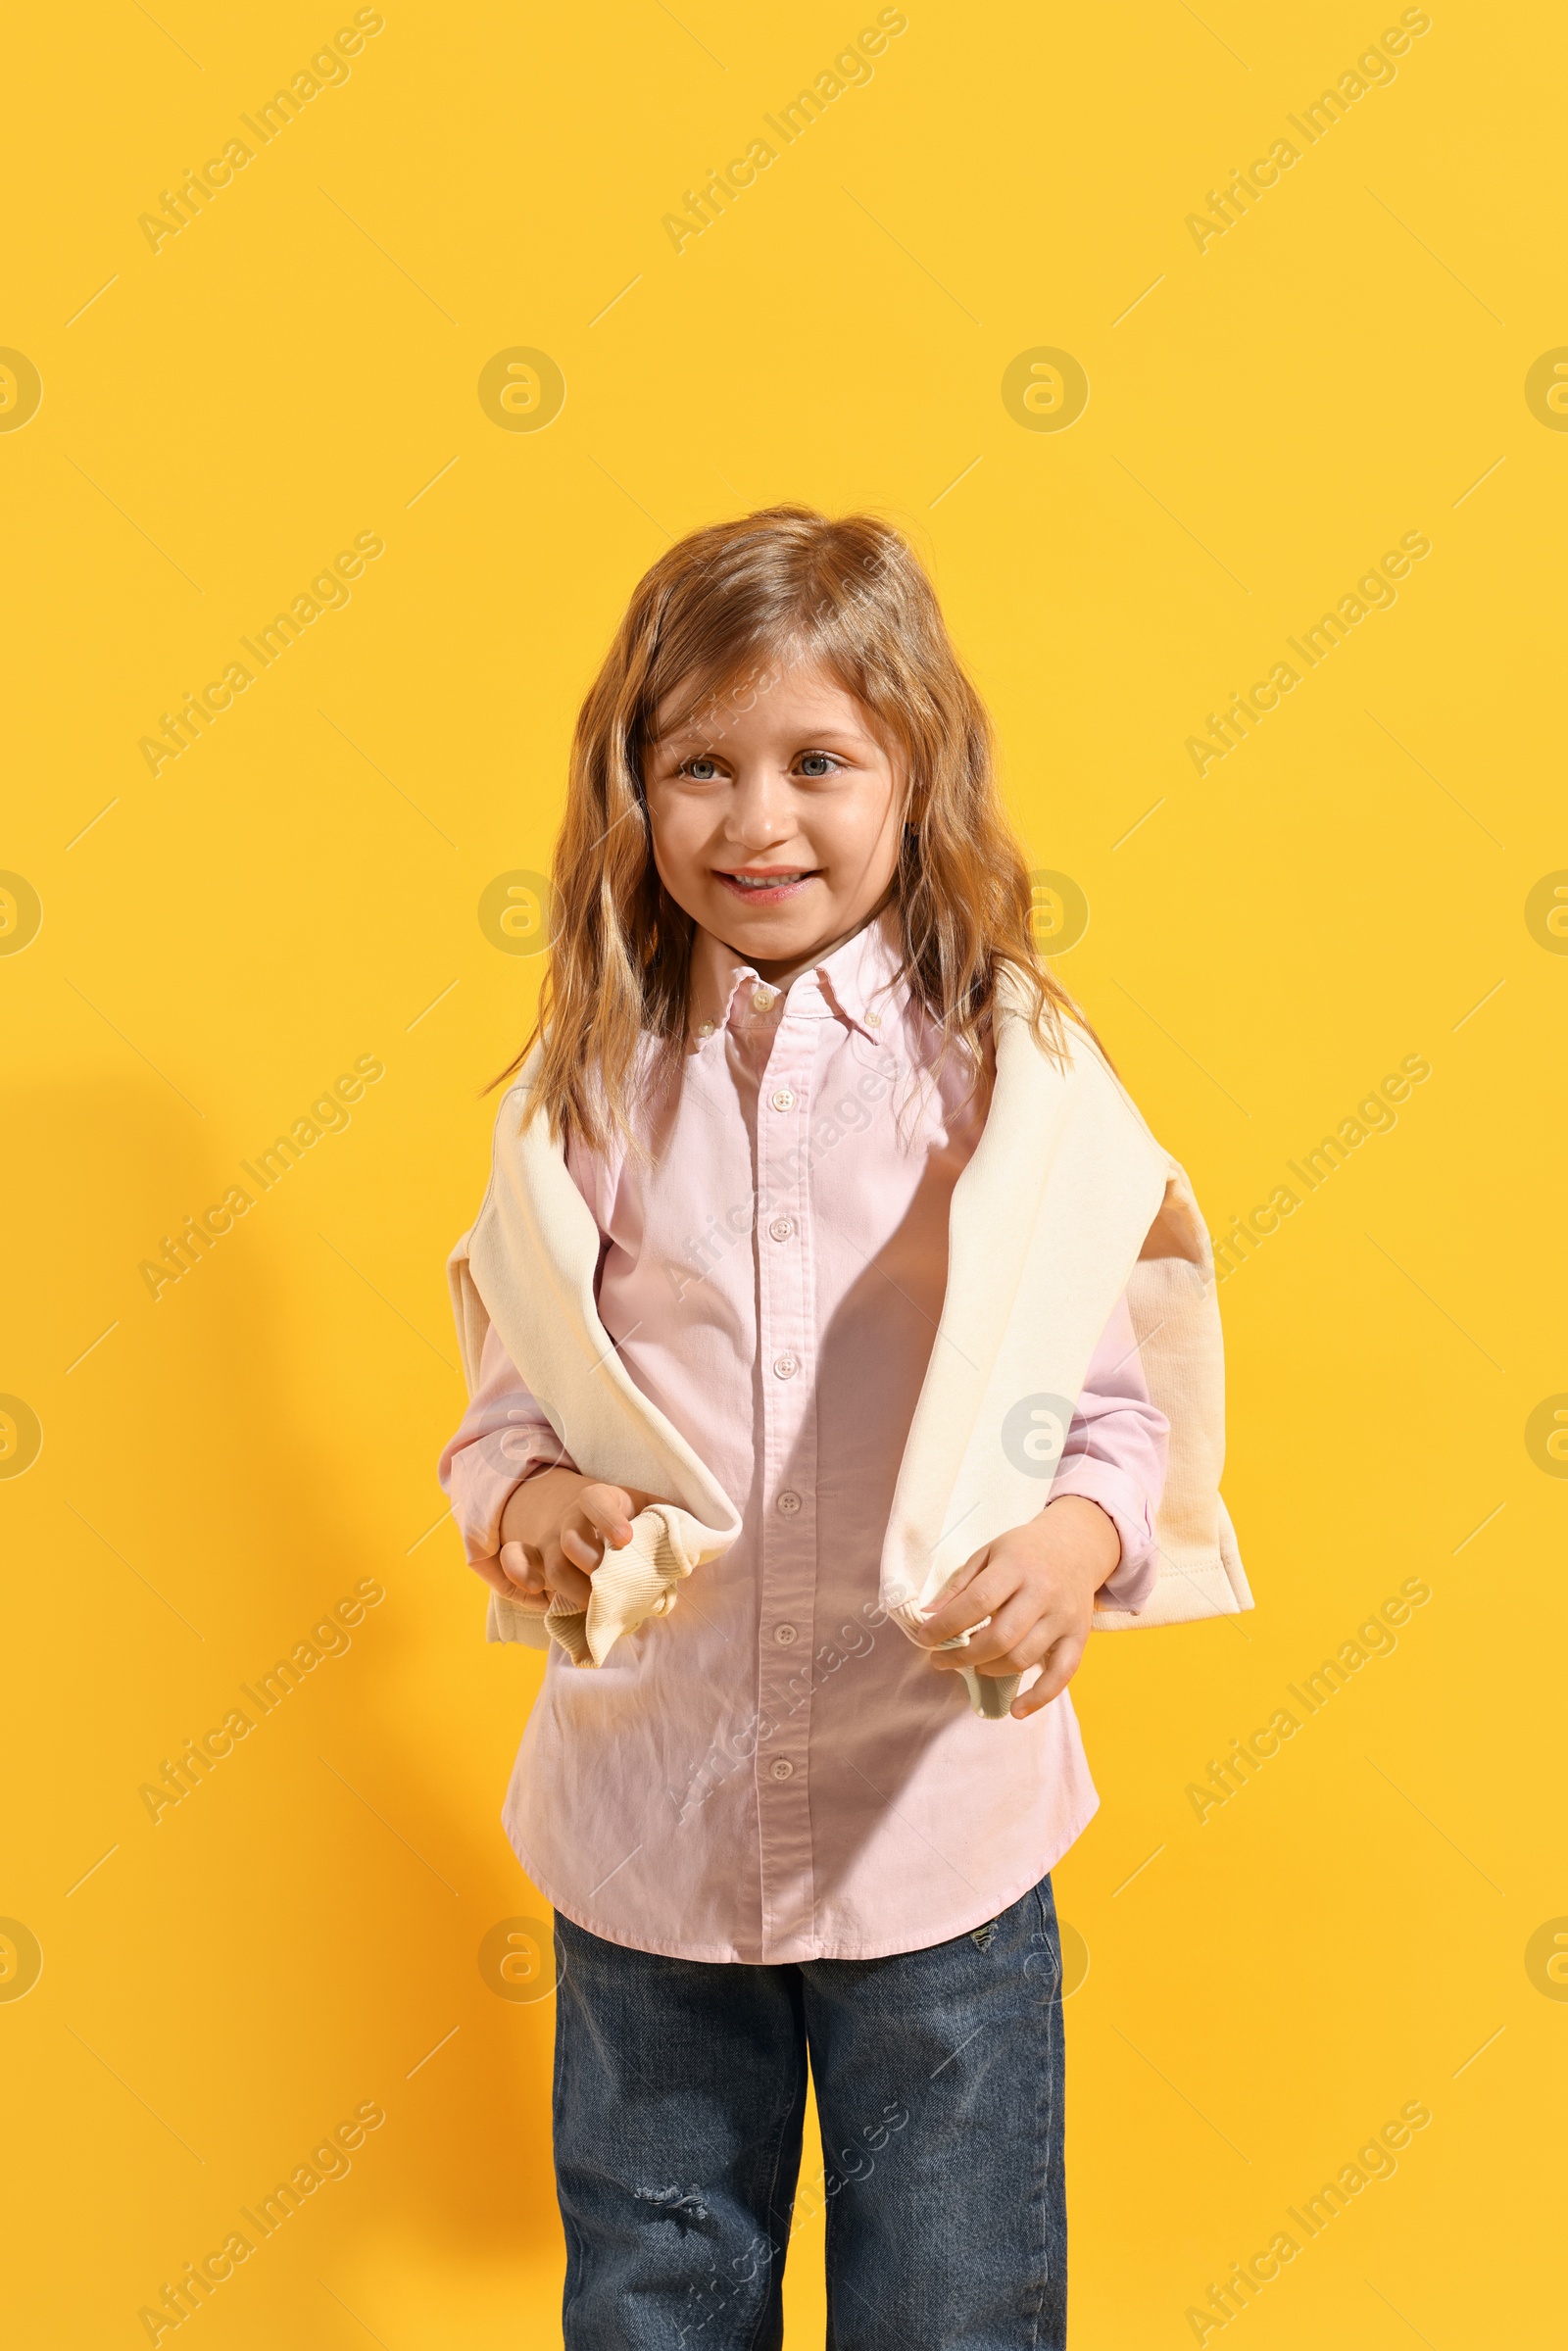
[(771, 886)]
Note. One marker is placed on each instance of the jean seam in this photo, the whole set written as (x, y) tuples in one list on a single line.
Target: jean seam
[(831, 2265), (1045, 2138), (775, 2286), (558, 2100)]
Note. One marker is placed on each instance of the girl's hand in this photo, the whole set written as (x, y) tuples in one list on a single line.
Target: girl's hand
[(555, 1529), (1036, 1584)]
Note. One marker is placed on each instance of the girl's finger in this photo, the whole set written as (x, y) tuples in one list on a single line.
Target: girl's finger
[(607, 1509), (1016, 1633), (961, 1611), (963, 1577), (1060, 1664), (523, 1568), (949, 1605), (583, 1551), (566, 1583)]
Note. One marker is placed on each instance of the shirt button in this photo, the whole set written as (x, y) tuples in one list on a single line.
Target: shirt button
[(789, 1503), (704, 1028), (873, 1021), (785, 1367), (785, 1635), (763, 998), (781, 1228), (782, 1767), (783, 1099)]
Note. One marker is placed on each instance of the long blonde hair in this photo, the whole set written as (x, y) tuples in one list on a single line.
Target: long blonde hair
[(717, 616)]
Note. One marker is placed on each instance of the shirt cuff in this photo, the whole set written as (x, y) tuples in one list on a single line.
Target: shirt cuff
[(1125, 1504), (488, 1472)]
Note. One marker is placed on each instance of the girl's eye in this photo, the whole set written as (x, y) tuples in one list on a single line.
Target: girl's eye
[(816, 762), (701, 770)]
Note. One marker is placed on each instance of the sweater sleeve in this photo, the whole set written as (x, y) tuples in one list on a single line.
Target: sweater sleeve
[(503, 1439), (1115, 1455)]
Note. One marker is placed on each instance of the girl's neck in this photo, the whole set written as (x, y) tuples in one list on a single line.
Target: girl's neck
[(780, 973)]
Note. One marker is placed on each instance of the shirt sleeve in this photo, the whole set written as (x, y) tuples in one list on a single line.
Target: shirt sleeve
[(503, 1439), (1115, 1455)]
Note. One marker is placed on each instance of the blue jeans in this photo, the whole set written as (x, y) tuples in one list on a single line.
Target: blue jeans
[(679, 2095)]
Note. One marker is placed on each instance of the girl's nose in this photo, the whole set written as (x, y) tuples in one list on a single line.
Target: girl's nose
[(759, 814)]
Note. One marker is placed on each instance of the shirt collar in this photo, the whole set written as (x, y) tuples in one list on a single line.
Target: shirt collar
[(858, 983)]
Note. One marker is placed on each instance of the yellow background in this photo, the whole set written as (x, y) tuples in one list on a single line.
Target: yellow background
[(298, 890)]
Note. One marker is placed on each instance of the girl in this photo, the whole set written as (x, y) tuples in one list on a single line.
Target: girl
[(841, 1348)]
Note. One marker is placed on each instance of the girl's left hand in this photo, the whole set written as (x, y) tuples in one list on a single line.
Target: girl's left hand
[(1037, 1585)]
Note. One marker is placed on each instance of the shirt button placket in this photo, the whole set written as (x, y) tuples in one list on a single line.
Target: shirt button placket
[(788, 1342)]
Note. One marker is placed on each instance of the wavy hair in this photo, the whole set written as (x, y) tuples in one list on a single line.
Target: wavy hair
[(717, 617)]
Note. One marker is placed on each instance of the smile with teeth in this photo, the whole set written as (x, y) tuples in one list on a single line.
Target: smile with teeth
[(770, 887)]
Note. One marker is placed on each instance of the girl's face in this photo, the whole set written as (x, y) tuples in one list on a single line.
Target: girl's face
[(775, 827)]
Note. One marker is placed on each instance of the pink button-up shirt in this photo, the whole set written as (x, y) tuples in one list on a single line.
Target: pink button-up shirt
[(774, 1770)]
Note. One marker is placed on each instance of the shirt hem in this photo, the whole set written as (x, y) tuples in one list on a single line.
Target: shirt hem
[(725, 1954)]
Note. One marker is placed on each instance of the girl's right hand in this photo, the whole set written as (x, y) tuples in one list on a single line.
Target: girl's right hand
[(555, 1530)]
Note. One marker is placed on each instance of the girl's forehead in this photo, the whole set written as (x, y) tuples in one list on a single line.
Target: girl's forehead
[(765, 696)]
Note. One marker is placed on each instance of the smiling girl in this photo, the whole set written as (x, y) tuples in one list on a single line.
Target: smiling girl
[(841, 1348)]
